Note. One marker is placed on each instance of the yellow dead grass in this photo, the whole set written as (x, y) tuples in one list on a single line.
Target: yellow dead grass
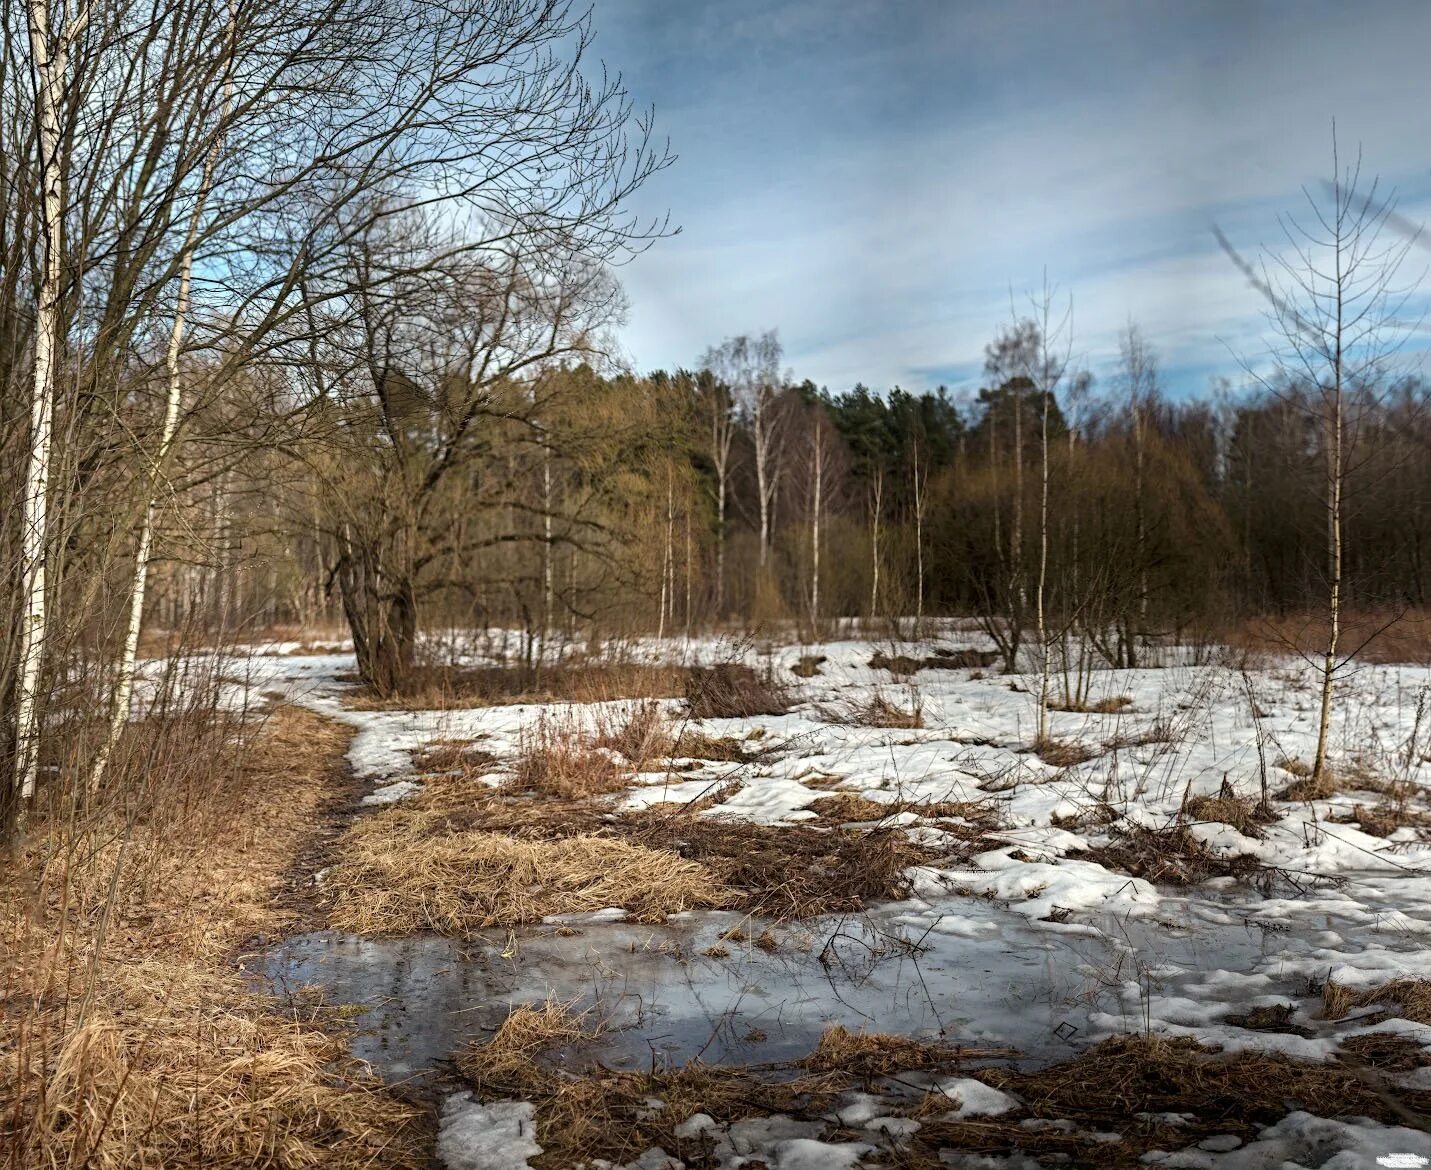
[(126, 1039), (402, 873)]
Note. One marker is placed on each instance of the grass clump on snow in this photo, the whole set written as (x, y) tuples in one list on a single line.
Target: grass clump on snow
[(1412, 998), (1168, 856), (879, 711), (733, 690), (554, 758), (879, 1054), (437, 688), (1063, 753), (405, 870)]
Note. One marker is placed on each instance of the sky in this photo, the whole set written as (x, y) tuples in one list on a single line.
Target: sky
[(885, 183)]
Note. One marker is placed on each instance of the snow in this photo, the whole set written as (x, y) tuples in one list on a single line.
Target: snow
[(497, 1135), (1030, 942), (1302, 1140), (973, 1098)]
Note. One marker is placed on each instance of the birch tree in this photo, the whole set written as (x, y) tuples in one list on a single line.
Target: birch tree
[(1334, 296), (52, 37)]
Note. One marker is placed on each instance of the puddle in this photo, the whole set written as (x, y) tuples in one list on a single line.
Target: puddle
[(978, 974)]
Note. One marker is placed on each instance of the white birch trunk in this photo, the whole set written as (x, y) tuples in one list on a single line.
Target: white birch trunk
[(124, 682), (49, 77)]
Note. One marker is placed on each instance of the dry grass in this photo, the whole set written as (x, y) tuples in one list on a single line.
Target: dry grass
[(943, 658), (1168, 856), (879, 1054), (697, 745), (732, 690), (791, 871), (617, 1116), (878, 711), (446, 688), (1110, 705), (406, 870), (554, 758), (1126, 1085), (453, 755), (1242, 813), (125, 1038), (1385, 636), (1384, 819), (808, 666), (1063, 753), (528, 1031), (644, 734), (847, 807), (1412, 998)]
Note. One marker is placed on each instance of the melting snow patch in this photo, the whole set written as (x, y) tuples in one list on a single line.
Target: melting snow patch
[(975, 1099), (492, 1136), (1300, 1139), (389, 793)]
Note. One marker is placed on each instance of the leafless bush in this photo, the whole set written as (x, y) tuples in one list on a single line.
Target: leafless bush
[(733, 690)]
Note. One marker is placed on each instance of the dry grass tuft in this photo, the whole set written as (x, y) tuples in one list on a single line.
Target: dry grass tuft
[(697, 745), (943, 658), (453, 755), (1110, 705), (733, 690), (876, 1054), (406, 870), (846, 807), (808, 666), (1063, 753), (1242, 813), (643, 735), (526, 1033), (554, 758), (1384, 819), (1412, 998), (446, 688), (878, 711), (1168, 856), (791, 871)]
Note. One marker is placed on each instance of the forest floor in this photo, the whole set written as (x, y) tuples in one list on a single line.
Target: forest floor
[(835, 907)]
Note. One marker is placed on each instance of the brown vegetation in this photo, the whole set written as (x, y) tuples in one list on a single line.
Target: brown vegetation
[(1242, 813), (1127, 1085), (1109, 705), (406, 870), (596, 681), (1063, 753), (733, 690), (1411, 997), (1171, 856), (554, 758), (125, 1037)]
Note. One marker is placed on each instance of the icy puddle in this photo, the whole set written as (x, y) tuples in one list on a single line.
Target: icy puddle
[(723, 988)]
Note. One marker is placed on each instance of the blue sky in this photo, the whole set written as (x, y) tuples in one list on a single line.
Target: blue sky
[(874, 179)]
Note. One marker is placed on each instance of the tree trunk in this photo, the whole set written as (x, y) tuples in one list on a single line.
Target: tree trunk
[(124, 682), (50, 76)]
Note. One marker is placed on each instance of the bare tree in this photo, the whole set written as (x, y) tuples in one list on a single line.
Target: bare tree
[(1334, 304), (719, 407), (51, 50), (750, 368), (1139, 373)]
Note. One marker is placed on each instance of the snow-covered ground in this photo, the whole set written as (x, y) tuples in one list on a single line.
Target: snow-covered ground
[(1026, 944)]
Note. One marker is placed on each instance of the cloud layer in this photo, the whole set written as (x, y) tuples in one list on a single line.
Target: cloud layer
[(876, 179)]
